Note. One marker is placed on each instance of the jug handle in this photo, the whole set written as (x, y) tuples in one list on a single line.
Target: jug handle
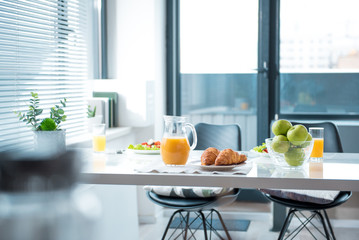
[(194, 134)]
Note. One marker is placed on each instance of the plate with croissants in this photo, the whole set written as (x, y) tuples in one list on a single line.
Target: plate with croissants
[(213, 159)]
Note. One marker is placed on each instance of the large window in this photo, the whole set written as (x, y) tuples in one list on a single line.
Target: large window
[(319, 58), (43, 48), (307, 53)]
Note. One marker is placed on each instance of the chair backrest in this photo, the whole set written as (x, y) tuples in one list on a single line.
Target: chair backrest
[(332, 142), (218, 136)]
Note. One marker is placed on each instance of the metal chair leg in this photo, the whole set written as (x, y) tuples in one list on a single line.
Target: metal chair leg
[(204, 224), (187, 226), (329, 225), (324, 225), (169, 223), (303, 224), (287, 221), (223, 225)]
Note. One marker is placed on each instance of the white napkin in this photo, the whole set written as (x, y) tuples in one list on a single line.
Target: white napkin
[(194, 168)]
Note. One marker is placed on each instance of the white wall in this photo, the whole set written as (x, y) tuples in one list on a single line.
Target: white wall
[(136, 58), (136, 53)]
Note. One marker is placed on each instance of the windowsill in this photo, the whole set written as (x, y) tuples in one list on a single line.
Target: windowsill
[(111, 133)]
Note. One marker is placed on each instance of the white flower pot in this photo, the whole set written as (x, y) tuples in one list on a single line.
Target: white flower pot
[(50, 141)]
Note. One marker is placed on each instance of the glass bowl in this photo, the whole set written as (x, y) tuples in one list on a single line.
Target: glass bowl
[(295, 157)]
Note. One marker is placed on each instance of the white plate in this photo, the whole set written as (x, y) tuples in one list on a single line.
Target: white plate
[(216, 168), (147, 152)]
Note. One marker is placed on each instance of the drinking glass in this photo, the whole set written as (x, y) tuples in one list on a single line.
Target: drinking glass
[(99, 137), (318, 147)]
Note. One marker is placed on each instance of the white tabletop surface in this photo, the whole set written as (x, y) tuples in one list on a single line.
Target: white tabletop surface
[(339, 171)]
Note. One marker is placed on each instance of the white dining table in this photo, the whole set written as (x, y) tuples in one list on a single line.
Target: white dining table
[(338, 171)]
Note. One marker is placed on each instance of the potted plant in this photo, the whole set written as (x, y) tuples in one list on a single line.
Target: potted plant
[(92, 117), (48, 136)]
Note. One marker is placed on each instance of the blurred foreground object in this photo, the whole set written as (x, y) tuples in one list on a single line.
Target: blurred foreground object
[(41, 200)]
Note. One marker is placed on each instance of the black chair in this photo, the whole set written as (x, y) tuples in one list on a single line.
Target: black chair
[(208, 135), (218, 136), (332, 143)]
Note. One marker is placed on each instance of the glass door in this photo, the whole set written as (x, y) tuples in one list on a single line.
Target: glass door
[(218, 58)]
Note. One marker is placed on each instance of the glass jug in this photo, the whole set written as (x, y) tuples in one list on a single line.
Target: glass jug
[(175, 147)]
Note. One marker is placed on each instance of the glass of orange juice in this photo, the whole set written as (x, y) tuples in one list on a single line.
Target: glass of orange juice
[(175, 147), (99, 137), (318, 147)]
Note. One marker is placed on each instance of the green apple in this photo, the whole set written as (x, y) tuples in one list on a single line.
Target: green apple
[(280, 144), (280, 127), (295, 156), (307, 142), (297, 134)]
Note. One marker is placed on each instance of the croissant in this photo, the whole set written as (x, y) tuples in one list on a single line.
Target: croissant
[(229, 157), (209, 156)]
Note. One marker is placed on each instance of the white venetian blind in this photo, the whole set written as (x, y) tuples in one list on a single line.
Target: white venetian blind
[(43, 49)]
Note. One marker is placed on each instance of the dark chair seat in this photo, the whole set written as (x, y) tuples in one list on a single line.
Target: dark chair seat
[(185, 203), (341, 198), (193, 203)]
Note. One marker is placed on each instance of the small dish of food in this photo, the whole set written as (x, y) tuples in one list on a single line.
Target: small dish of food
[(259, 151), (149, 147)]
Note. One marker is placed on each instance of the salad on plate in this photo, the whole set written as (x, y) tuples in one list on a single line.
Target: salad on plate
[(260, 150), (149, 147)]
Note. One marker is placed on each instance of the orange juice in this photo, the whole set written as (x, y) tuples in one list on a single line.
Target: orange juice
[(318, 148), (99, 143), (175, 151)]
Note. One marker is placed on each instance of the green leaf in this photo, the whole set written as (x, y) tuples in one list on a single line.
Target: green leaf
[(38, 111), (63, 102), (61, 111)]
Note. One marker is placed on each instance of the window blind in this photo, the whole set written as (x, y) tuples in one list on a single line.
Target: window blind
[(43, 49)]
